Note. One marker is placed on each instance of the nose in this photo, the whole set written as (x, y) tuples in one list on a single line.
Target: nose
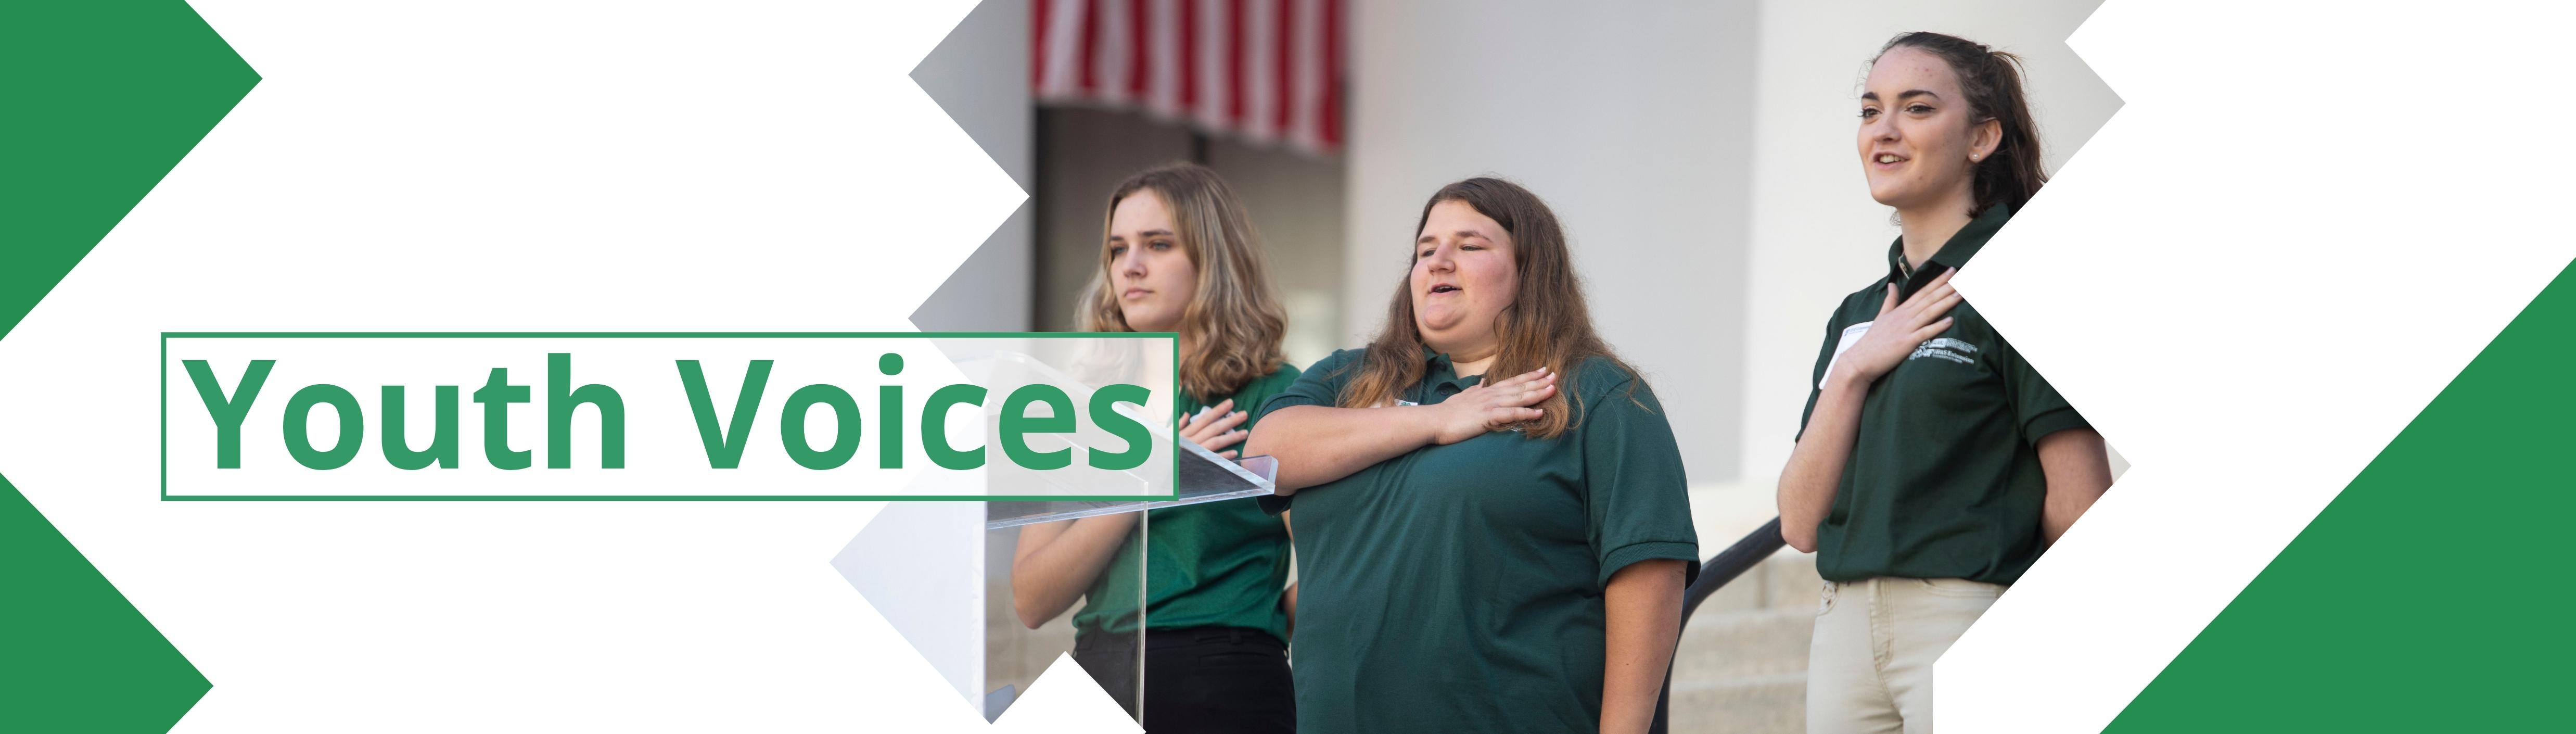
[(1882, 128), (1131, 263), (1439, 260)]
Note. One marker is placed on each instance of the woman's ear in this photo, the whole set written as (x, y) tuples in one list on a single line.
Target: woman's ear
[(1988, 136)]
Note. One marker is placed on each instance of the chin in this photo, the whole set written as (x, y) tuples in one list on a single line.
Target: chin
[(1889, 195)]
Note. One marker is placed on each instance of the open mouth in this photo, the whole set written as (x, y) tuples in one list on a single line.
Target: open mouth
[(1887, 158), (1443, 288)]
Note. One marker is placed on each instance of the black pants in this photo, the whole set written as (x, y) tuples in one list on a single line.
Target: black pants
[(1200, 679)]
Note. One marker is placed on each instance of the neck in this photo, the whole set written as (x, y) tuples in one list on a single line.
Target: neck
[(1472, 361), (1189, 342), (1927, 228)]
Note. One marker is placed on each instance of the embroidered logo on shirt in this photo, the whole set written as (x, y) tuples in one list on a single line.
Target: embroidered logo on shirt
[(1945, 348)]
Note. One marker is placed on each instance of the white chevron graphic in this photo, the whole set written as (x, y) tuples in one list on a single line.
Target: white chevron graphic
[(2304, 222), (514, 166)]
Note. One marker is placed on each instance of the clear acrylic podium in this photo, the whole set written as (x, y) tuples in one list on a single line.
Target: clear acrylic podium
[(997, 662)]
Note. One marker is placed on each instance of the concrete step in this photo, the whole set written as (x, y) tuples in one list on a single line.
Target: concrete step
[(1742, 662), (1723, 646), (1773, 704), (1786, 580)]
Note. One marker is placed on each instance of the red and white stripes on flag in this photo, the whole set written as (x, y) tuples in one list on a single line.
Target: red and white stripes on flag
[(1264, 70)]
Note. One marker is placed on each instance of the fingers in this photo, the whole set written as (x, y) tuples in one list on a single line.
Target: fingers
[(1938, 309), (1932, 330), (1519, 379), (1207, 426), (1226, 455), (1228, 438), (1930, 293), (1501, 418), (1228, 421), (1200, 418), (1529, 395), (1890, 303)]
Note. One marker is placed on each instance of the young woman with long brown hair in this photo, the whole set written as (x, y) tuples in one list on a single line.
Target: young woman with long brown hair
[(1179, 255), (1474, 555), (1934, 464)]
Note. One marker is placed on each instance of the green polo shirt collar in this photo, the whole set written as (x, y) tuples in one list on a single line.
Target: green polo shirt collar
[(1442, 372), (1953, 254)]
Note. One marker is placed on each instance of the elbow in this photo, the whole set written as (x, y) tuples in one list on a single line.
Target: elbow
[(1029, 615), (1254, 445), (1281, 484), (1028, 609), (1803, 539)]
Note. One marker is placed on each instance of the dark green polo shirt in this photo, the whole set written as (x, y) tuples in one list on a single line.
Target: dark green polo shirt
[(1458, 587), (1220, 564), (1944, 478)]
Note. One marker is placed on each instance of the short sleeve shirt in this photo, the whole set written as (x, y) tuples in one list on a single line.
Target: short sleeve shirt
[(1214, 564), (1944, 478), (1459, 587)]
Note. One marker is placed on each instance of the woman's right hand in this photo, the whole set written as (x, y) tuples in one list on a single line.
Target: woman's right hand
[(1214, 428), (1485, 408), (1899, 329)]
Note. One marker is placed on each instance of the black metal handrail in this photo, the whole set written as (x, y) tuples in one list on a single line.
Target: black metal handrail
[(1713, 573)]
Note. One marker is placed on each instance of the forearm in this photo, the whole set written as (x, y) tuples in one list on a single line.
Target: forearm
[(1056, 563), (2077, 465), (1643, 619), (1316, 444), (1815, 467)]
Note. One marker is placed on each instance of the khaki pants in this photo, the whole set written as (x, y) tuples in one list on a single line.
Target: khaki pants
[(1869, 668)]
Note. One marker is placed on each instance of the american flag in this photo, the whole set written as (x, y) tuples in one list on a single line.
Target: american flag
[(1267, 71)]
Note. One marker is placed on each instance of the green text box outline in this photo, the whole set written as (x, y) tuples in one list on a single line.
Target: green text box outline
[(1173, 424)]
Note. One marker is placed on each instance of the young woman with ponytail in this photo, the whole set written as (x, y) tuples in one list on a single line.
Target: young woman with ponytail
[(1934, 464)]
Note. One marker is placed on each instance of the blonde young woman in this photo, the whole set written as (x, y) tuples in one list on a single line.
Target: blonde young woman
[(1179, 256), (1934, 464), (1485, 555)]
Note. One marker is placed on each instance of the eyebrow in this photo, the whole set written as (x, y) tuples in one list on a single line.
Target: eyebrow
[(1426, 236), (1873, 96), (1146, 233)]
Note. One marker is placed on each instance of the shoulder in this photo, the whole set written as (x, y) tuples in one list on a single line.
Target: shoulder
[(1612, 397), (1339, 365), (1599, 377)]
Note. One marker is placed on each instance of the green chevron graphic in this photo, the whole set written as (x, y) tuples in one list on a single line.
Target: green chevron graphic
[(102, 98), (2428, 596)]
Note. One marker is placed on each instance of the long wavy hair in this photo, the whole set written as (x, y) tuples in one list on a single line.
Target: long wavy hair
[(1991, 80), (1234, 318), (1547, 325)]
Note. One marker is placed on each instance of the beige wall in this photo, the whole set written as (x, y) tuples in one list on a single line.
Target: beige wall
[(1632, 120), (1699, 153), (1295, 201)]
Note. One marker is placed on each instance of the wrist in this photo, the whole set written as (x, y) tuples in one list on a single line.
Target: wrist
[(1848, 378), (1425, 424)]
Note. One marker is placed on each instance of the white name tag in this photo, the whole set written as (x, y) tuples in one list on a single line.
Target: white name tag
[(1851, 336)]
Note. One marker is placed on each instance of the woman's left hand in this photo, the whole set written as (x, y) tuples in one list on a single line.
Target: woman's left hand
[(1214, 428)]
